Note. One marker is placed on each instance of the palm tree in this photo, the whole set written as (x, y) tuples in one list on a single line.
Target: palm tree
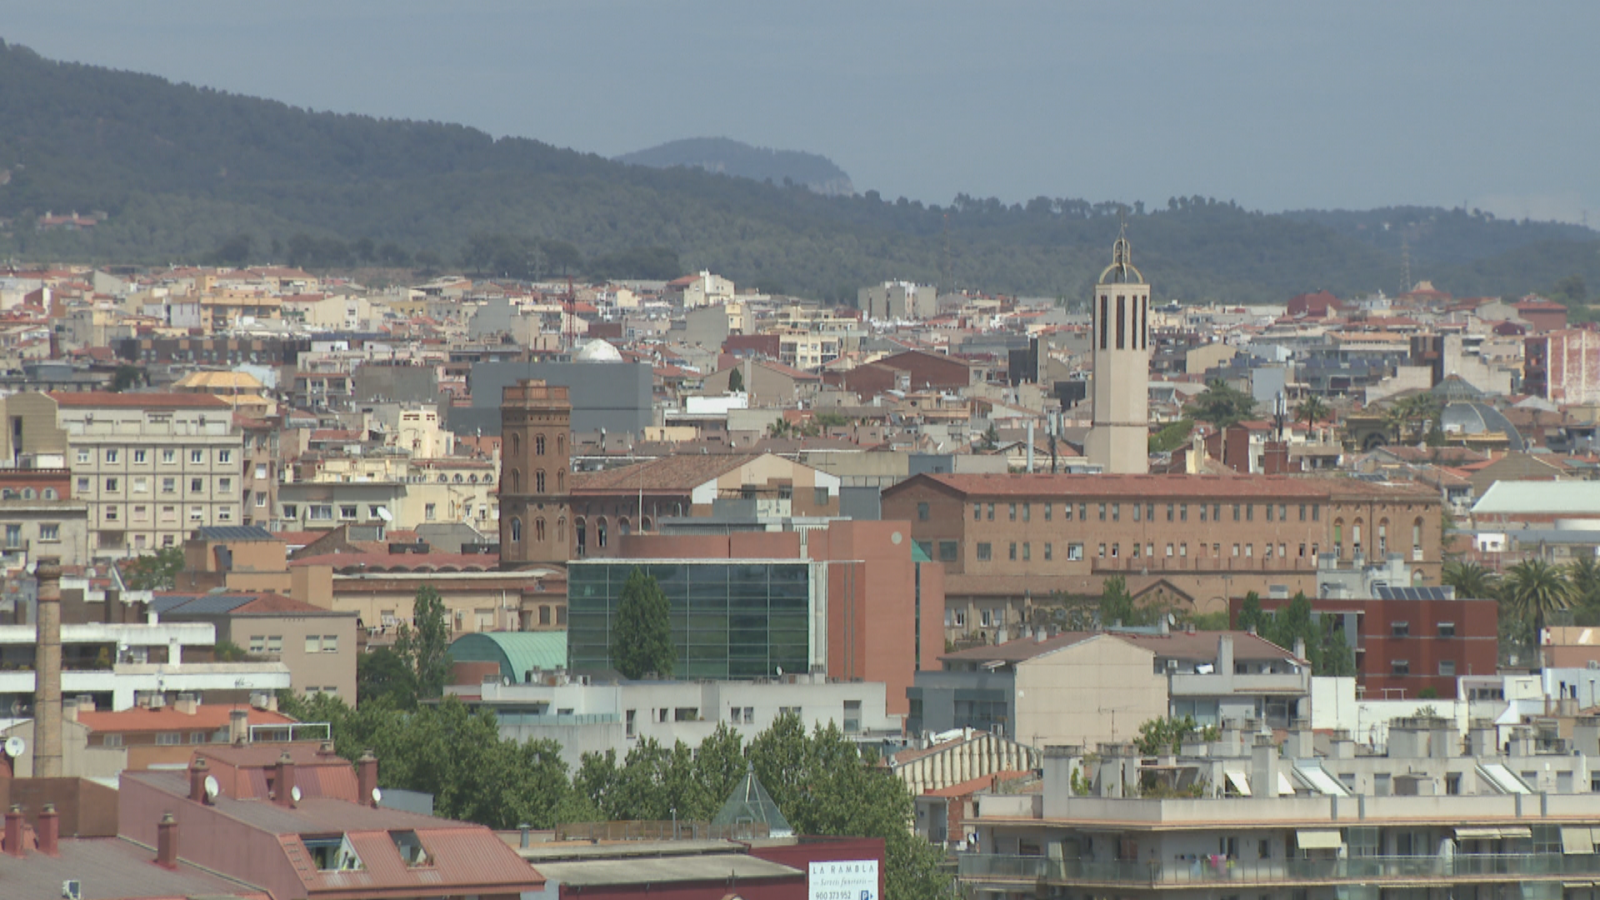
[(1533, 589), (1311, 410), (1471, 580), (1584, 574)]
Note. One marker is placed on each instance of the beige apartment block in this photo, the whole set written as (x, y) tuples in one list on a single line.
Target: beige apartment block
[(151, 467), (317, 645)]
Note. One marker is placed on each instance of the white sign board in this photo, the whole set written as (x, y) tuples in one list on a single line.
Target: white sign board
[(851, 879)]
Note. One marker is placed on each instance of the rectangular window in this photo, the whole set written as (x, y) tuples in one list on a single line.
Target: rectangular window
[(197, 485), (922, 511), (261, 500), (1183, 549), (1169, 512), (313, 643), (1013, 551), (1269, 512), (197, 514), (1083, 512), (1169, 550), (1102, 551), (852, 716), (1047, 555), (984, 551), (1399, 629), (197, 456), (169, 455), (111, 454), (977, 512), (1149, 512), (49, 531), (169, 485), (330, 643), (1400, 667), (429, 511), (274, 643), (949, 551), (819, 496), (631, 719), (1102, 512), (1135, 551), (169, 514), (1047, 508), (1447, 629), (1074, 552), (1283, 512), (224, 456), (225, 485), (1235, 549), (141, 485), (991, 512), (1249, 550), (1136, 512), (1316, 512), (1027, 512), (111, 514), (1236, 512), (139, 455), (111, 485), (1027, 551), (1202, 512), (83, 457), (1116, 512), (1302, 512), (261, 471), (169, 738), (347, 511), (1116, 550), (1066, 511), (1447, 668), (1013, 512)]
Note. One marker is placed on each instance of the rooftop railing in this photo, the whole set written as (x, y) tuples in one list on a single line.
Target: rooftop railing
[(978, 867)]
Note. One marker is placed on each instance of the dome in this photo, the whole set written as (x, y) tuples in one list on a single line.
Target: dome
[(598, 351)]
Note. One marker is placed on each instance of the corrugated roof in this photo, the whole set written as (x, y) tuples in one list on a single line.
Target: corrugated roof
[(517, 652)]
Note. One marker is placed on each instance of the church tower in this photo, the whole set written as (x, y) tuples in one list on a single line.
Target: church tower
[(1118, 442), (535, 510)]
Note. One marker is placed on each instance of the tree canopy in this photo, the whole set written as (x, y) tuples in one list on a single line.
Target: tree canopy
[(1221, 405), (156, 571), (641, 639), (424, 650)]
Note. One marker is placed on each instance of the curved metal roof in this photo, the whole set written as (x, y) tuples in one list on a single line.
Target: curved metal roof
[(517, 652)]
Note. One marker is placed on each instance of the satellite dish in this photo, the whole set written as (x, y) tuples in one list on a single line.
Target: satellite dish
[(377, 796), (294, 793), (212, 787), (15, 746), (385, 515)]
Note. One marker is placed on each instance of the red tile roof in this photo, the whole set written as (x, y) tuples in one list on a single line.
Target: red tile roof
[(403, 562), (206, 717), (90, 399)]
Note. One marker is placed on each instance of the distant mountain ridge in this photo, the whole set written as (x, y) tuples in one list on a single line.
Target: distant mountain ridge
[(189, 174), (726, 156)]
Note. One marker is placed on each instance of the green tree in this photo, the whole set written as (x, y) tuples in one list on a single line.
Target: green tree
[(641, 639), (1311, 410), (1470, 579), (227, 651), (1166, 735), (1116, 604), (425, 649), (990, 438), (127, 376), (1171, 436), (1584, 575), (383, 673), (1251, 618), (720, 763), (156, 571), (1221, 405), (1533, 590), (825, 786), (736, 380)]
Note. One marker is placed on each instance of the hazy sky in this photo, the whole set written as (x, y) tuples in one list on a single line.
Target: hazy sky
[(1276, 105)]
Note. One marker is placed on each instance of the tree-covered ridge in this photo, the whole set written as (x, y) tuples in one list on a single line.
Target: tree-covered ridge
[(183, 173), (726, 156)]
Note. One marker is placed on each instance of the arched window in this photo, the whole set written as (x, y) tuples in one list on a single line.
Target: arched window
[(538, 529), (516, 481), (49, 493), (1355, 535), (581, 532), (443, 478), (622, 526), (516, 443), (561, 445), (488, 479), (538, 482), (600, 532), (516, 530), (538, 445), (561, 481), (473, 478), (561, 530), (1338, 538), (1383, 536), (644, 524), (458, 478)]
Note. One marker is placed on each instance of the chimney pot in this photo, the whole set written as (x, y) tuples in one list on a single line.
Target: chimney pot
[(167, 842), (49, 831), (283, 785), (197, 780), (366, 778)]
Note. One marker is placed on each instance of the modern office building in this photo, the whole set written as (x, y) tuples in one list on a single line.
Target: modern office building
[(854, 601)]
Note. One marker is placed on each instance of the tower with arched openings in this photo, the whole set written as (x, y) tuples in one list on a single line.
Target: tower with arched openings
[(1119, 439), (535, 463)]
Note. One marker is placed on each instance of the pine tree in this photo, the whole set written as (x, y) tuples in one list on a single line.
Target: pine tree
[(641, 639)]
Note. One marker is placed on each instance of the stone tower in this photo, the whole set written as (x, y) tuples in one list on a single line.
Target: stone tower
[(535, 443), (1118, 442)]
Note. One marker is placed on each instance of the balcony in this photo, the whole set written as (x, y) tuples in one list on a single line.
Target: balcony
[(1467, 868)]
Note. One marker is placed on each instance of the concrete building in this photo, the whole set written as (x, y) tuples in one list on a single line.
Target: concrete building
[(1242, 815), (588, 717), (40, 517), (151, 467), (1093, 688), (1118, 440), (317, 645), (615, 396), (901, 300), (1008, 541)]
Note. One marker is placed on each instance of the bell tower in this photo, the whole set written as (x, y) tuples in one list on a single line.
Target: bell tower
[(1119, 439), (535, 447)]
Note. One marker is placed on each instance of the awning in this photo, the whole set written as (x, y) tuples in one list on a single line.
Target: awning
[(1285, 786), (1318, 839), (1240, 783), (1576, 839), (1483, 833)]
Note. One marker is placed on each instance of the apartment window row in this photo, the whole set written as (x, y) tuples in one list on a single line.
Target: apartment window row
[(1022, 551), (270, 643), (327, 643), (1112, 511), (142, 455)]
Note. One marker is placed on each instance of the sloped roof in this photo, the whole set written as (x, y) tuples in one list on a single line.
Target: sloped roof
[(1540, 497), (1200, 646), (751, 804), (108, 867), (517, 652), (98, 399), (684, 472), (206, 717)]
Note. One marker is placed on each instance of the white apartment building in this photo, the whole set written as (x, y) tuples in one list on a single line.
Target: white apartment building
[(151, 467)]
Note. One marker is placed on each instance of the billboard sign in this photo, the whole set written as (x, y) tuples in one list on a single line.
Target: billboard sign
[(845, 879)]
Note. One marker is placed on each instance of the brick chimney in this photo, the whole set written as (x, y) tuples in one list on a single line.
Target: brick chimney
[(49, 831), (14, 831), (283, 784), (366, 778), (167, 842), (47, 690), (197, 780)]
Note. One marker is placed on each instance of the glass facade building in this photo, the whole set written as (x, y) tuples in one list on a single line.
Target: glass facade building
[(730, 618)]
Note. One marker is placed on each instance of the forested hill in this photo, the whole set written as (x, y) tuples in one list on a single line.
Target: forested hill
[(729, 157), (189, 174)]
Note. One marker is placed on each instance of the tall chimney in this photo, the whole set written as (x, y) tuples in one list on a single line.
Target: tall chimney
[(366, 778), (283, 784), (239, 726), (49, 831), (47, 687), (167, 842), (14, 831), (197, 780)]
